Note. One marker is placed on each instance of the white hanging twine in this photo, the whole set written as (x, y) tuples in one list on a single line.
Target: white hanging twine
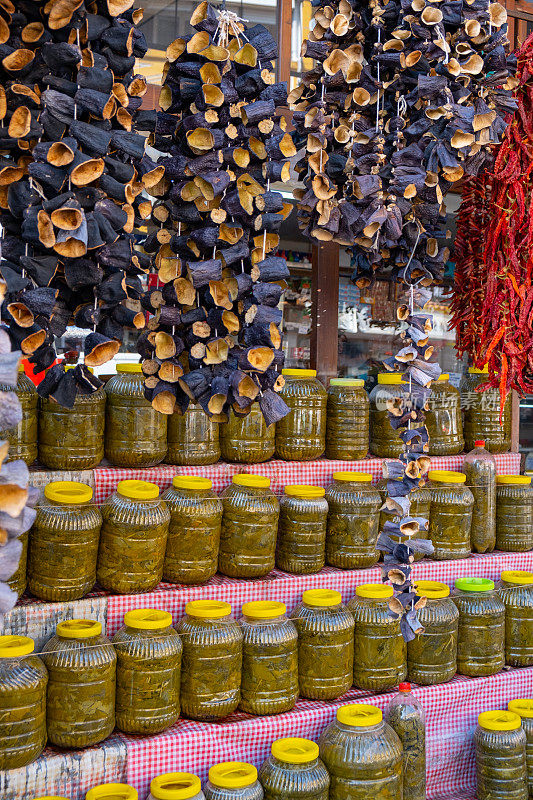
[(227, 21)]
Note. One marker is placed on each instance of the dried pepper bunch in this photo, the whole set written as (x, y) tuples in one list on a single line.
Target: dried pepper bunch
[(73, 170), (214, 338)]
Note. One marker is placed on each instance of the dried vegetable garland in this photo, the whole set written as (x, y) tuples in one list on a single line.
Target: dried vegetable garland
[(214, 338), (72, 172)]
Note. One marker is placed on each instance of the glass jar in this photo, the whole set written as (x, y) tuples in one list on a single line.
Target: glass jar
[(450, 515), (301, 543), (407, 719), (353, 521), (249, 528), (301, 435), (481, 634), (110, 791), (247, 440), (482, 413), (23, 437), (347, 428), (135, 433), (420, 499), (294, 771), (176, 786), (432, 654), (81, 665), (500, 745), (211, 664), (514, 513), (269, 683), (194, 534), (193, 438), (17, 582), (380, 658), (363, 755), (133, 538), (516, 592), (444, 421), (385, 442), (233, 780), (148, 672), (524, 709), (325, 645), (23, 679), (64, 543)]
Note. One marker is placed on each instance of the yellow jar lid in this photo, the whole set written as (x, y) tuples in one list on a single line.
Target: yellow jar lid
[(433, 590), (112, 791), (294, 750), (346, 382), (208, 609), (499, 720), (138, 490), (520, 577), (233, 775), (78, 628), (129, 367), (476, 371), (513, 480), (193, 482), (359, 715), (68, 492), (390, 378), (264, 609), (444, 376), (147, 619), (175, 786), (252, 481), (299, 373), (522, 707), (474, 584), (15, 646), (356, 477), (304, 492), (374, 591), (322, 597), (445, 476), (73, 366)]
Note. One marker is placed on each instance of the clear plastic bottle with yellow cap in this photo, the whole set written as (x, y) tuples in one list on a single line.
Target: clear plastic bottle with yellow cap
[(112, 791), (192, 438), (191, 555), (444, 420), (80, 699), (450, 515), (148, 672), (516, 592), (135, 433), (176, 786), (233, 780), (249, 527), (514, 513), (269, 683), (380, 655), (481, 411), (18, 581), (385, 442), (23, 437), (133, 538), (301, 544), (362, 754), (353, 521), (294, 771), (248, 439), (347, 429), (481, 633), (325, 645), (500, 747), (479, 467), (301, 435), (524, 708), (420, 499), (407, 718), (64, 542), (211, 665), (23, 679), (432, 654)]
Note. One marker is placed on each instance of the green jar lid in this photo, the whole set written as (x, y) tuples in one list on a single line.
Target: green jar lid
[(346, 382), (474, 584)]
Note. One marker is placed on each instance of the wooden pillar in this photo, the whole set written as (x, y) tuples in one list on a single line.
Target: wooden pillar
[(515, 422), (325, 309), (284, 17)]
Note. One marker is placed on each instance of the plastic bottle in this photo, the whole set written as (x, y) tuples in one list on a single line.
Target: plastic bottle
[(479, 467), (406, 717)]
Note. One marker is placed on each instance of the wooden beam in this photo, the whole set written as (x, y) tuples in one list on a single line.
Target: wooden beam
[(515, 422), (325, 309), (284, 19)]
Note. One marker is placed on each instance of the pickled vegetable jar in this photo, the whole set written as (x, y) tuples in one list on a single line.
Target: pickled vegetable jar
[(450, 515), (194, 534), (301, 435), (524, 709), (148, 672), (294, 771), (482, 413), (363, 755), (233, 780), (406, 717), (80, 700), (301, 543), (380, 651), (133, 539), (325, 645), (481, 635), (420, 504), (212, 660), (479, 467), (135, 433), (64, 542), (353, 521), (23, 679), (385, 442), (269, 683), (193, 438), (444, 421), (17, 582), (432, 654), (176, 786), (111, 791), (347, 428), (247, 440), (516, 592), (249, 528), (23, 437), (514, 513), (500, 744)]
